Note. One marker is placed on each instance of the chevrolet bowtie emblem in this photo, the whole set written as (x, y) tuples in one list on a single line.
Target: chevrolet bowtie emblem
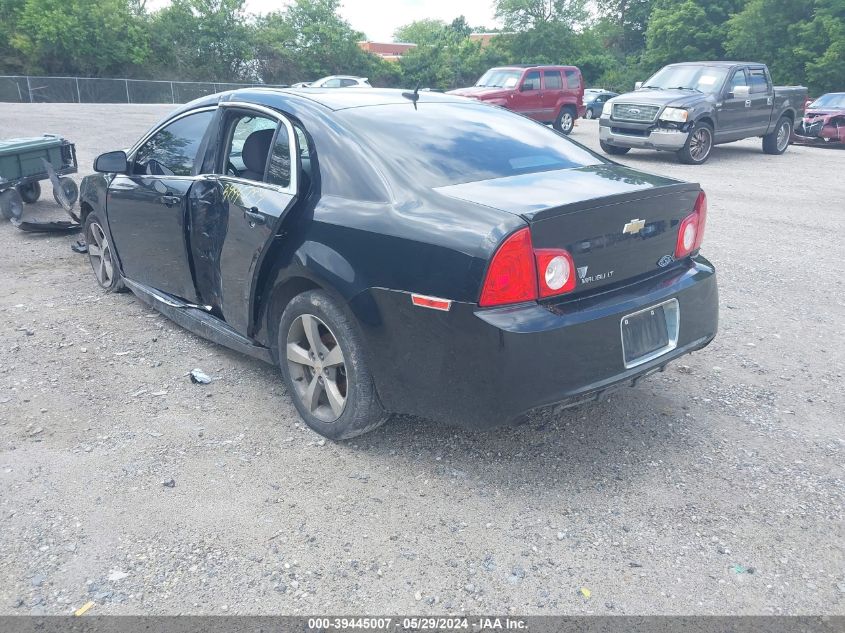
[(634, 226)]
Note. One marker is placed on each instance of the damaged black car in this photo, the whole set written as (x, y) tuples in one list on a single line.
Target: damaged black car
[(398, 252)]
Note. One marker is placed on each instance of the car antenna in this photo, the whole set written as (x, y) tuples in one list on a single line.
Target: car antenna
[(413, 96)]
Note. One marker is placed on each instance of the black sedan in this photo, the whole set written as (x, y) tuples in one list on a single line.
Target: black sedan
[(404, 252)]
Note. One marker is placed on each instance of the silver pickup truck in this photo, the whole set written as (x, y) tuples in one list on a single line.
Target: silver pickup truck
[(690, 107)]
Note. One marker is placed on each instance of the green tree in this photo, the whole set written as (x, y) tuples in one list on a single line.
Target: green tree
[(204, 40), (522, 15), (104, 38), (425, 31), (802, 41), (687, 30)]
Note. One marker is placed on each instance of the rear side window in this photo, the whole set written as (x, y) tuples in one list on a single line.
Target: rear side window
[(443, 144), (553, 80), (278, 173), (573, 81), (172, 150), (759, 82)]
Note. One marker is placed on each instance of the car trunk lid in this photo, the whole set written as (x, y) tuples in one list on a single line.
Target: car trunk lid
[(617, 223)]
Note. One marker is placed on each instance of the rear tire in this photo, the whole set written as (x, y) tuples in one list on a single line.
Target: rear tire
[(100, 255), (30, 192), (613, 150), (588, 114), (699, 145), (777, 142), (565, 120), (322, 359)]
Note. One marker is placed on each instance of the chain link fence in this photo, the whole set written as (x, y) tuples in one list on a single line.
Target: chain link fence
[(27, 89)]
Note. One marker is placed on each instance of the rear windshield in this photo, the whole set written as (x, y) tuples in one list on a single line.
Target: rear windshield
[(443, 144)]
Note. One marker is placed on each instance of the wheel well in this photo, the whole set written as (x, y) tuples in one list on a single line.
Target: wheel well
[(707, 120), (84, 209), (280, 298), (789, 114)]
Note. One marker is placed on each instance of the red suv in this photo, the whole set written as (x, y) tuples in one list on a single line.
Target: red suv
[(550, 94)]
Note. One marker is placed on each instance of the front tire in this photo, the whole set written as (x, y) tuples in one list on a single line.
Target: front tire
[(613, 150), (777, 142), (588, 114), (324, 367), (565, 120), (100, 255), (699, 145)]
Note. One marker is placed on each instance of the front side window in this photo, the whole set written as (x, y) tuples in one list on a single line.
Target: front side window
[(331, 83), (172, 150), (738, 79), (532, 81)]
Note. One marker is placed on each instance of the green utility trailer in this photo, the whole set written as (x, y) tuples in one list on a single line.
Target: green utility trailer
[(26, 161)]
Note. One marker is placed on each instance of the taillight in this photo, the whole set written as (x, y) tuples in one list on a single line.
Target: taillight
[(519, 273), (555, 271), (512, 276), (691, 229)]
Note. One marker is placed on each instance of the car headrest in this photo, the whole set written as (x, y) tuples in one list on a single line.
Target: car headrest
[(255, 150)]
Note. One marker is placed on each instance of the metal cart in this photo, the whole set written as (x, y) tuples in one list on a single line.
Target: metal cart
[(26, 161)]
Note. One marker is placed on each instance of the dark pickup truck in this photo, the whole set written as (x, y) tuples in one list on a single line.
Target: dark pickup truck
[(690, 107)]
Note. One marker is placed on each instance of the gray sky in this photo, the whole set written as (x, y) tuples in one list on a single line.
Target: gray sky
[(378, 20)]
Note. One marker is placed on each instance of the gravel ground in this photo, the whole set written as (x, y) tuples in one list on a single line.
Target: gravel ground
[(714, 488)]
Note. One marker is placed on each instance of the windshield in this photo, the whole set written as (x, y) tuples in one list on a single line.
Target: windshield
[(441, 144), (832, 100), (692, 77), (499, 78)]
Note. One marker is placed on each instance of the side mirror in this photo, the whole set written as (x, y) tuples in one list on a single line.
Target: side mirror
[(740, 92), (111, 163), (526, 86), (638, 85)]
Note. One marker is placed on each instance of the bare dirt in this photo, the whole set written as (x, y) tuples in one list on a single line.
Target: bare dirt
[(716, 487)]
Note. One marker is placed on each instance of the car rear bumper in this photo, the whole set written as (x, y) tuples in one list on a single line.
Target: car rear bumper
[(479, 368), (656, 138)]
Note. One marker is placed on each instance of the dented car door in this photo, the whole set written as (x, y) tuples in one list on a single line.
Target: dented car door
[(236, 213)]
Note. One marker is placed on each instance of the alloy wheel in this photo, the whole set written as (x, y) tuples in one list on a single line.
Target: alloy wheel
[(99, 254), (317, 367), (700, 144), (566, 121), (588, 114), (783, 136)]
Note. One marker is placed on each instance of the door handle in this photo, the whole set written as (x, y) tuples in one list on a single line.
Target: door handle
[(254, 217), (170, 201)]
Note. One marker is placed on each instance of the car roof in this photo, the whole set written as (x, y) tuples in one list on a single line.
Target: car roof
[(332, 98), (726, 64), (527, 66)]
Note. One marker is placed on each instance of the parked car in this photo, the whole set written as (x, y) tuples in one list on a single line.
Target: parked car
[(549, 94), (824, 121), (398, 252), (301, 84), (688, 108), (594, 102), (340, 81)]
